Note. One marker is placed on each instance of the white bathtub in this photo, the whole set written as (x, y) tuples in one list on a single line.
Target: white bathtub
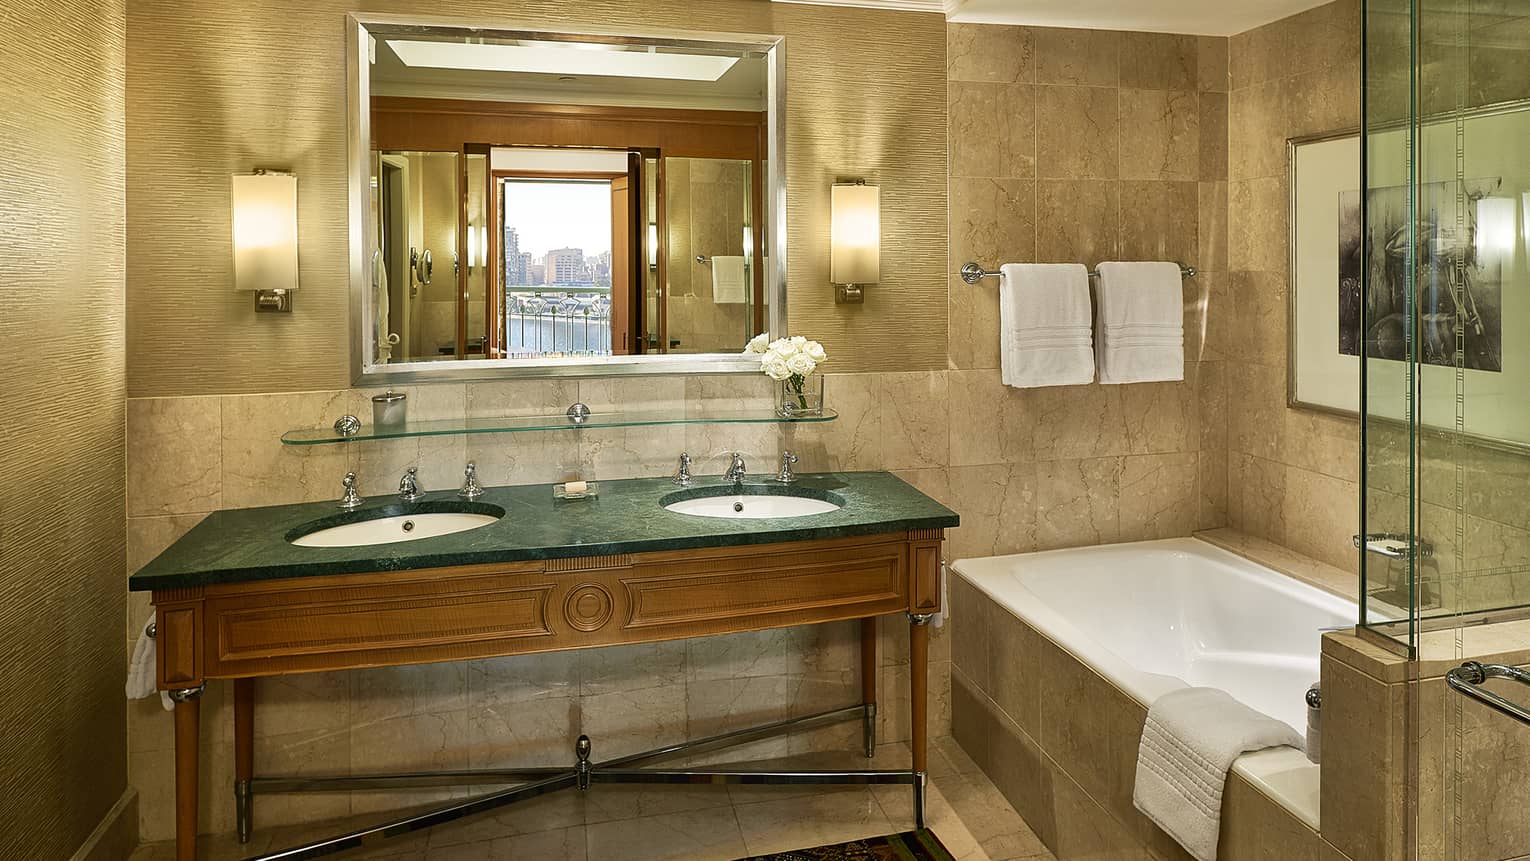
[(1154, 616)]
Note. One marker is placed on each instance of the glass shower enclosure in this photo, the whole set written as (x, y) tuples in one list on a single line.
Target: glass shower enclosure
[(1445, 400)]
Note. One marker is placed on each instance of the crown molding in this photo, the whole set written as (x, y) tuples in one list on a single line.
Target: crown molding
[(940, 7)]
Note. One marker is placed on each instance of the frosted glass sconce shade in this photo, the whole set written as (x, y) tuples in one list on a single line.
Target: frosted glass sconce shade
[(856, 231), (265, 238)]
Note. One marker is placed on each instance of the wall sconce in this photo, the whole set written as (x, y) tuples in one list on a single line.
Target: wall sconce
[(265, 238), (856, 240)]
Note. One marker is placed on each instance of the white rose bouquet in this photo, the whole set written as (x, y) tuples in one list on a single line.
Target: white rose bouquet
[(789, 361)]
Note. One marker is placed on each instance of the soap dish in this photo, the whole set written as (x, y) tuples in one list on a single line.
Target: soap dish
[(591, 490)]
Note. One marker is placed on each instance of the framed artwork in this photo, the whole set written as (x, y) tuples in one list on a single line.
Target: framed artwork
[(1468, 264)]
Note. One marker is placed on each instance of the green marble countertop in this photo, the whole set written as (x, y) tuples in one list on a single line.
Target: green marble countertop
[(248, 544)]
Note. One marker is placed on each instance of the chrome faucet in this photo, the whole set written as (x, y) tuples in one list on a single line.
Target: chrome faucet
[(409, 486), (351, 499), (470, 487), (787, 475), (736, 469), (683, 476)]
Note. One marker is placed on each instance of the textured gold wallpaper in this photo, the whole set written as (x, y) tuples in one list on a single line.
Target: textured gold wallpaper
[(224, 89), (64, 733)]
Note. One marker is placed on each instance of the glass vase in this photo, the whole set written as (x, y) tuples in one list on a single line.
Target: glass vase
[(801, 397)]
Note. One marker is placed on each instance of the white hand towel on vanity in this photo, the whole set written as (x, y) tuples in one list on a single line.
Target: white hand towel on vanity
[(1045, 335), (143, 669), (1141, 335), (729, 282), (1190, 741)]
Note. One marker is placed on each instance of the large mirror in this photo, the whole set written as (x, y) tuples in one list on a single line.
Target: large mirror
[(529, 203)]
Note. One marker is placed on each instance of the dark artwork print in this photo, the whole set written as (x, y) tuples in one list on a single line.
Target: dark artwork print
[(1447, 258)]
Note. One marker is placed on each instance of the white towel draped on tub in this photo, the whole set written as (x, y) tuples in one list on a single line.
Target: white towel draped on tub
[(1045, 336), (730, 284), (1190, 741), (1141, 323)]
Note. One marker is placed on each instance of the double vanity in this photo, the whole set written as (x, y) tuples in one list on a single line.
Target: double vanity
[(306, 588)]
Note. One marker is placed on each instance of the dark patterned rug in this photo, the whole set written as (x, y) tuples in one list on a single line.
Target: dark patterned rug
[(921, 845)]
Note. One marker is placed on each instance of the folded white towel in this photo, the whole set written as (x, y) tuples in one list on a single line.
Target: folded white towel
[(730, 284), (1190, 740), (142, 673), (1045, 337), (1141, 335)]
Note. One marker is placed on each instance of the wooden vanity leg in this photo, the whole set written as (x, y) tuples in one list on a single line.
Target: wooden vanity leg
[(918, 699), (188, 720), (869, 668), (244, 754)]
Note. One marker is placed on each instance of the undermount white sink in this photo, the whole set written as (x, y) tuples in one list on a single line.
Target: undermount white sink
[(751, 506), (391, 530)]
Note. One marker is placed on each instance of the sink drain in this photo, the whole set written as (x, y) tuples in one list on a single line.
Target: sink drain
[(408, 525), (738, 506)]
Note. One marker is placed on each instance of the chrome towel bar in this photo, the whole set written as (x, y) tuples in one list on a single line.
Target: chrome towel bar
[(973, 273), (1469, 677)]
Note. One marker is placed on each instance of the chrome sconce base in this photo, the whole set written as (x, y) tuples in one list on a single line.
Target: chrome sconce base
[(273, 301), (849, 294)]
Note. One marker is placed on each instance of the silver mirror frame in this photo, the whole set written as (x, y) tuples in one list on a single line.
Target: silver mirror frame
[(358, 146)]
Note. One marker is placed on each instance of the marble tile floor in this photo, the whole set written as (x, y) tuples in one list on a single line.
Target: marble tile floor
[(622, 823)]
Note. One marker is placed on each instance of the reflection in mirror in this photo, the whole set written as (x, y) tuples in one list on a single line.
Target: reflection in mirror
[(544, 203)]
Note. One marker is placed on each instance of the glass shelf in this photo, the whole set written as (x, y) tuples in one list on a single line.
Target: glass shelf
[(526, 424)]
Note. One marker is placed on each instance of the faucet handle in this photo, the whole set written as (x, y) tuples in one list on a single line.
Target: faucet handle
[(683, 475), (351, 499), (787, 475), (470, 486), (409, 485)]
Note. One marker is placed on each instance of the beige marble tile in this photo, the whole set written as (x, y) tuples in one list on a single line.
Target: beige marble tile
[(780, 826), (1211, 229), (1159, 498), (971, 637), (1212, 471), (974, 129), (629, 721), (528, 458), (1261, 303), (997, 504), (383, 693), (1079, 422), (986, 52), (1081, 137), (1078, 502), (1085, 830), (1323, 101), (1211, 406), (1256, 407), (1160, 61), (1018, 120), (259, 470), (915, 415), (1014, 669), (972, 314), (990, 422), (1256, 495), (147, 537), (1211, 66), (1164, 130), (174, 460), (1213, 137), (1160, 220), (695, 834), (1256, 119), (1258, 55), (1077, 221), (1320, 515), (1362, 763), (851, 442), (1330, 445), (992, 221), (1088, 57)]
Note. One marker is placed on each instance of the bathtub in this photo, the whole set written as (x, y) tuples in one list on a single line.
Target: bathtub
[(1153, 616)]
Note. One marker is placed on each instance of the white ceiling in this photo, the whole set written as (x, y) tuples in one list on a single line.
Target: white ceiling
[(1198, 17)]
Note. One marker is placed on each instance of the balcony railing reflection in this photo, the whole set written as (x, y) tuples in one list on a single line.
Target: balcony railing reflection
[(540, 324)]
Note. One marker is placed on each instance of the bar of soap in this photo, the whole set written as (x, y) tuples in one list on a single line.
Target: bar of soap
[(575, 487)]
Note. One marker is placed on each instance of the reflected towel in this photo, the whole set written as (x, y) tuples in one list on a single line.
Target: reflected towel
[(1141, 335), (142, 671), (1190, 740), (730, 284), (1045, 337)]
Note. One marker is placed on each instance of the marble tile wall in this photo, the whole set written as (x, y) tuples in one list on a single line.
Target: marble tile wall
[(1292, 474), (1084, 146)]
